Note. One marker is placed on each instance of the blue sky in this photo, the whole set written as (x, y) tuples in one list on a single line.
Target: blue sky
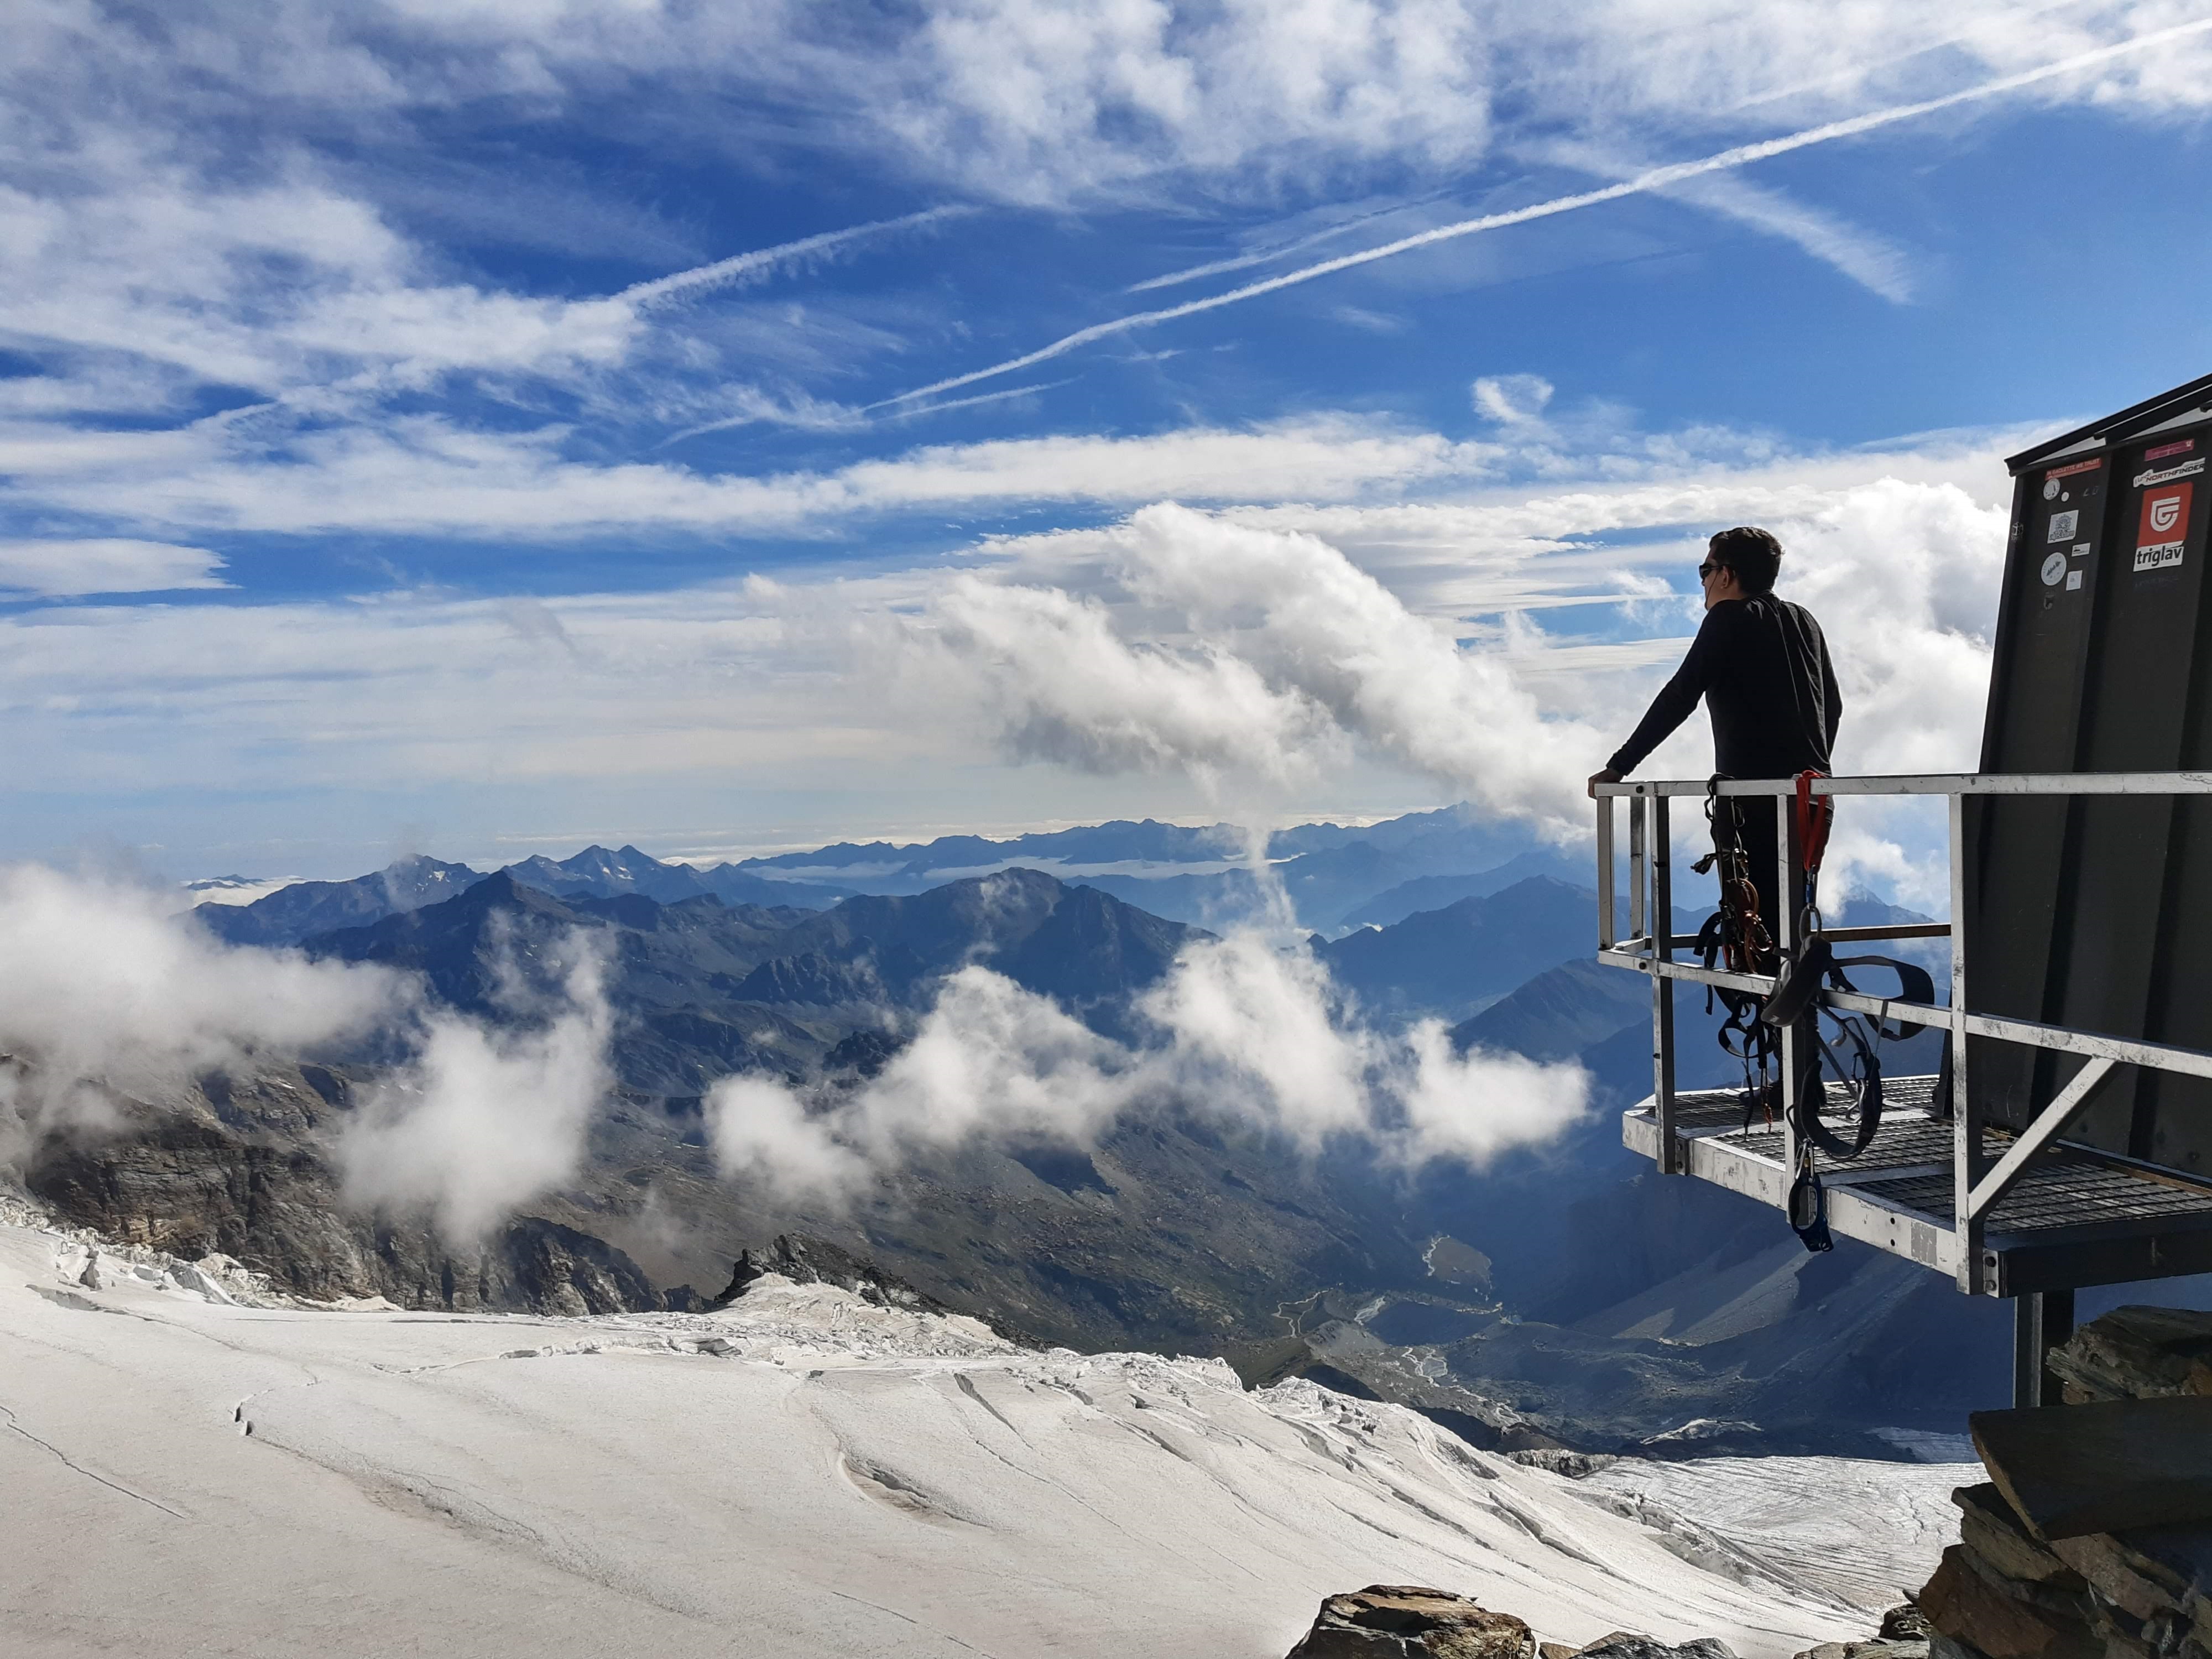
[(399, 449)]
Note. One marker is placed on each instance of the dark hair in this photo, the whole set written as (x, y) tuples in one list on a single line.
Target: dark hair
[(1753, 554)]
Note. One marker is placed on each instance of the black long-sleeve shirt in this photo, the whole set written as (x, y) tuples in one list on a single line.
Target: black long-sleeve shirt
[(1761, 664)]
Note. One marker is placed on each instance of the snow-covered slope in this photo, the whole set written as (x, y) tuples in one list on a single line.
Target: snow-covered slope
[(807, 1473)]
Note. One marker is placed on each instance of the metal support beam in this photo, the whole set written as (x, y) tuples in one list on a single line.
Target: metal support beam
[(1635, 879), (2159, 1057), (2041, 1320), (1671, 1161), (1967, 1112), (2068, 1105), (1789, 853), (1940, 783), (1605, 935)]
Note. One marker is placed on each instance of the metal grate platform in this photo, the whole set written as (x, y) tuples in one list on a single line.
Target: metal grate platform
[(2075, 1216)]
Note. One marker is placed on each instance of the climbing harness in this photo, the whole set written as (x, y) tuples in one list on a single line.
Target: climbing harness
[(1736, 935)]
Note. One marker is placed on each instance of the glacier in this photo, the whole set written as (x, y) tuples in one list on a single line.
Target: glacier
[(194, 1467)]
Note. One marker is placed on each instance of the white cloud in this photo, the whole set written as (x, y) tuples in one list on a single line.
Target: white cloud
[(1235, 648), (1871, 260), (1512, 399), (485, 1118), (104, 993), (108, 996), (426, 475), (1239, 1029), (105, 565), (1337, 653)]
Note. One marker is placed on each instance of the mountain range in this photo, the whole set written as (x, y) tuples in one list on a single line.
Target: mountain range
[(294, 914), (1568, 1294), (1325, 871)]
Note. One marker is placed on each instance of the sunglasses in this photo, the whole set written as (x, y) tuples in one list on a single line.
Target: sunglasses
[(1707, 569)]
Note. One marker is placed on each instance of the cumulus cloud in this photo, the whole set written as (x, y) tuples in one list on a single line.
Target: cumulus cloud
[(1238, 649), (107, 996), (103, 993), (486, 1118), (1243, 1028)]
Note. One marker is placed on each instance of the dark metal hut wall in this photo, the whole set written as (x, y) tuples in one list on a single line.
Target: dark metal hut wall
[(2097, 912)]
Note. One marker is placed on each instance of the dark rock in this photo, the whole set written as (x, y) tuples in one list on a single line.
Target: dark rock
[(1994, 1534), (2137, 1354), (2105, 1467), (1623, 1645), (1405, 1621), (2003, 1619), (1904, 1623)]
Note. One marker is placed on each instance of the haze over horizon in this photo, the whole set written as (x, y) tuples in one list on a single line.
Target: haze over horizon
[(486, 430)]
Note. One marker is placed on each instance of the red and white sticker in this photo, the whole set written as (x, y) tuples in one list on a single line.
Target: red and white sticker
[(2078, 466), (2165, 450), (2162, 533)]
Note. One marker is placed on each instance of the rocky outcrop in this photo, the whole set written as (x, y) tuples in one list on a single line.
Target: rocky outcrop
[(1904, 1635), (2093, 1539), (2137, 1354), (1406, 1622), (1410, 1621), (807, 1260), (238, 1168), (1624, 1644)]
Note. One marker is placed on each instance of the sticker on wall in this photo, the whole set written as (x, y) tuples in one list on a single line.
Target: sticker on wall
[(2073, 581), (2080, 549), (2165, 450), (2167, 475), (2054, 567), (2050, 489), (2062, 526), (2161, 535)]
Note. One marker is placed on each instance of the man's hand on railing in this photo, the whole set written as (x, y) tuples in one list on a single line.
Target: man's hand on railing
[(1606, 776)]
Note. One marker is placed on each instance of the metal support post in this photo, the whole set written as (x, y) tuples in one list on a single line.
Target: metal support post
[(2041, 1320), (1671, 1161), (1605, 936), (1637, 804), (1965, 1113), (1790, 854)]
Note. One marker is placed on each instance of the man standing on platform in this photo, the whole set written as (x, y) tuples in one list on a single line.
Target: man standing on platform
[(1761, 664)]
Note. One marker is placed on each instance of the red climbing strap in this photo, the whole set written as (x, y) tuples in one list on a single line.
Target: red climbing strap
[(1815, 817)]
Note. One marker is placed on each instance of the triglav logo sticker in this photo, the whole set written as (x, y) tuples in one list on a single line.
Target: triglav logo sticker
[(2185, 470), (2163, 532)]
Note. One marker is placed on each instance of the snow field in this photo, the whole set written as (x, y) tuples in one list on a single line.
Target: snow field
[(805, 1475)]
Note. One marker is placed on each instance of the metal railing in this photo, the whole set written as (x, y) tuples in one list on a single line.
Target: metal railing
[(1978, 1181)]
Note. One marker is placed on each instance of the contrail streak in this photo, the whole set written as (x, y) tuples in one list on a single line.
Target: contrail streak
[(1642, 184), (1260, 257), (737, 268), (981, 397)]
